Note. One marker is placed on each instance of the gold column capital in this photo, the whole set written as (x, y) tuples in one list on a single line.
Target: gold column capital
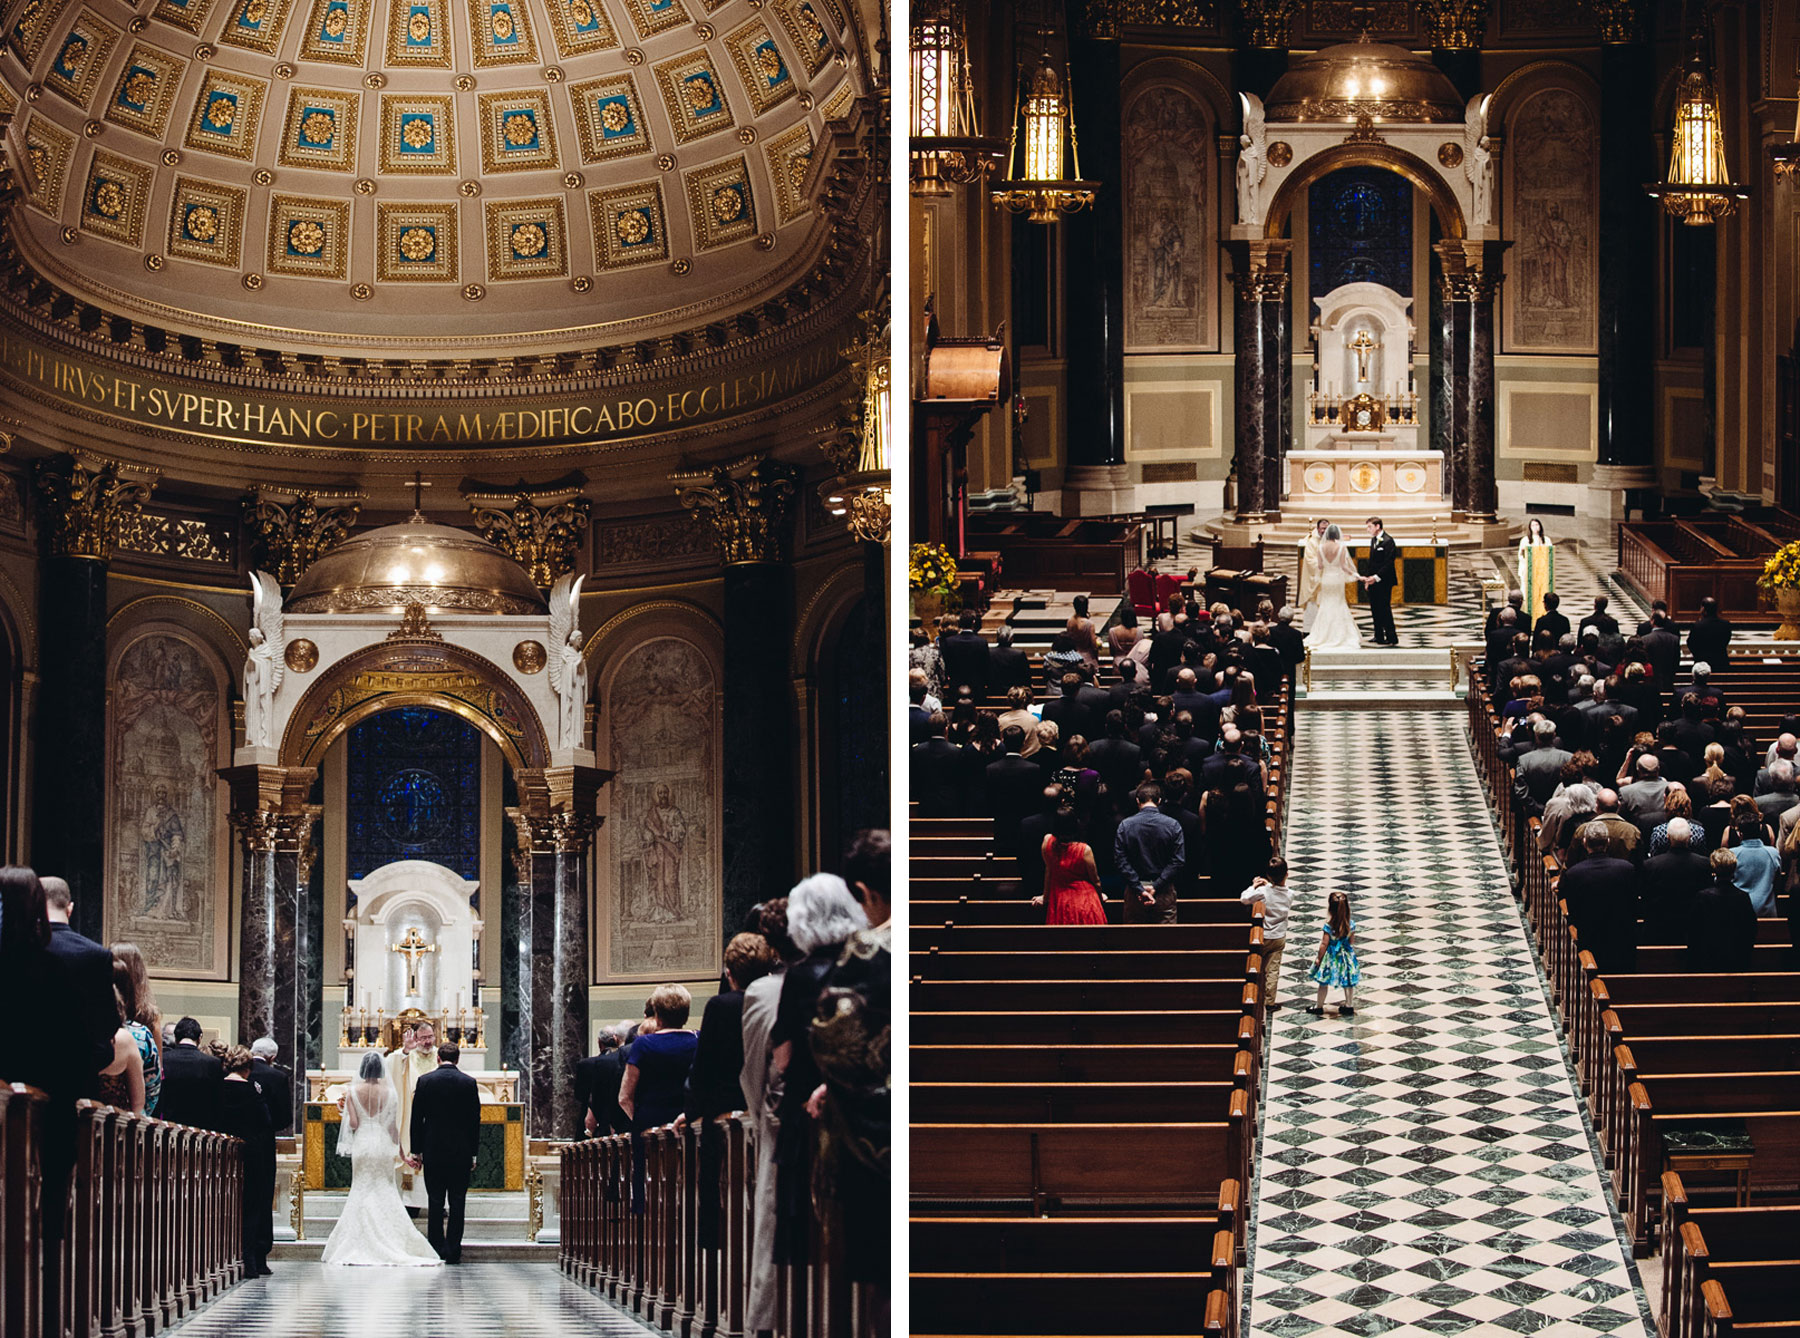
[(88, 508), (1266, 23), (541, 530), (747, 505), (292, 537), (1620, 21), (1454, 25)]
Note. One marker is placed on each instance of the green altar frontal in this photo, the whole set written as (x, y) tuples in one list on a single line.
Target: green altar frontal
[(1423, 569), (499, 1149)]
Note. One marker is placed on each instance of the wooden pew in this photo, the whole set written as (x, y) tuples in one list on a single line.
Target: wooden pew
[(1235, 1064), (22, 1112), (1051, 1167), (1766, 1105), (1696, 1238), (1114, 1103), (1014, 996), (1099, 965), (1083, 1027), (1225, 934), (1753, 1298)]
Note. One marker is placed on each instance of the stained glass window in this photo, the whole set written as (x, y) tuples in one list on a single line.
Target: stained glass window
[(415, 791), (1359, 226)]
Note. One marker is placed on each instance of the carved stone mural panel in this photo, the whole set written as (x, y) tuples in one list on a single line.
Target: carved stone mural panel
[(1170, 256), (1553, 268), (664, 824), (168, 871)]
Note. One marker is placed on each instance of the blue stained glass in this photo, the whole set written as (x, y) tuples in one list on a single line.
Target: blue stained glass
[(414, 791), (1360, 230)]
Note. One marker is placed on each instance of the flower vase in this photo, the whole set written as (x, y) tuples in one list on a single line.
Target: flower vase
[(1787, 603), (926, 606)]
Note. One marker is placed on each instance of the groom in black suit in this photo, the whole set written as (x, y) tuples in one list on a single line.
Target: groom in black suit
[(1379, 581), (446, 1119)]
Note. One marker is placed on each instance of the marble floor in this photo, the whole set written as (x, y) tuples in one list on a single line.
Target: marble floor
[(1425, 1166), (499, 1300)]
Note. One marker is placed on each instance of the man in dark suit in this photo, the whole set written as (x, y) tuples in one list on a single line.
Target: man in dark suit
[(1008, 667), (89, 968), (446, 1121), (1287, 638), (193, 1081), (597, 1080), (917, 717), (1065, 711), (1188, 697), (274, 1082), (1711, 635), (965, 656), (1552, 621), (1119, 761), (1662, 647), (1600, 620), (1093, 703), (940, 773), (1670, 881), (1014, 787), (1601, 893), (1380, 581)]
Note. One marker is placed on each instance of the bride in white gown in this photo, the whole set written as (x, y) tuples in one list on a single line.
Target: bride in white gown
[(1334, 627), (374, 1228)]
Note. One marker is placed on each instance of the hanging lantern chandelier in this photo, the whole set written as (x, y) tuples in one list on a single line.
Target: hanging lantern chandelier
[(1787, 156), (947, 146), (1698, 190), (1044, 119)]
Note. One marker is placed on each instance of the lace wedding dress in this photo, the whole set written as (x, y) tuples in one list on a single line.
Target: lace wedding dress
[(1333, 627), (374, 1228)]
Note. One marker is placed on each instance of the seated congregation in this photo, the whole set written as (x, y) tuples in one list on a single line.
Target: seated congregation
[(1090, 979), (1650, 808)]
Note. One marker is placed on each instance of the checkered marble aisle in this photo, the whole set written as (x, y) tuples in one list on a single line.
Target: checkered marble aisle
[(1426, 1167), (494, 1300)]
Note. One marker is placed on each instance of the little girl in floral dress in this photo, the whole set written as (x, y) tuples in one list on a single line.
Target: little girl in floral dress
[(1336, 962)]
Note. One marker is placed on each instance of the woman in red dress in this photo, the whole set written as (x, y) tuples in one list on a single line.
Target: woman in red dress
[(1071, 882)]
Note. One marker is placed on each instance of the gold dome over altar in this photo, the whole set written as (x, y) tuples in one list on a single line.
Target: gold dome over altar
[(1344, 82), (416, 563)]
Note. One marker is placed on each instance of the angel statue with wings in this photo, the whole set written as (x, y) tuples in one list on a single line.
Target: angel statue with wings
[(263, 666), (568, 670), (1253, 161), (1478, 160)]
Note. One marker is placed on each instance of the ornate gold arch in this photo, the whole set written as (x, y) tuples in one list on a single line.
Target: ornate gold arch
[(1414, 169), (399, 673)]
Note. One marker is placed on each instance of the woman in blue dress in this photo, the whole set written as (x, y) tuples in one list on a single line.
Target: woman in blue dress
[(654, 1089), (1336, 963)]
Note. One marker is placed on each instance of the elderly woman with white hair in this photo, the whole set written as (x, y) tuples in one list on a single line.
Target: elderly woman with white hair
[(821, 914)]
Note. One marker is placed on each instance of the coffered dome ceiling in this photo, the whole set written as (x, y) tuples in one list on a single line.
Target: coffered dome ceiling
[(417, 176)]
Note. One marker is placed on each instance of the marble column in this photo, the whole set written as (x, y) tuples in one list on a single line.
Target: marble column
[(1455, 30), (556, 823), (1097, 480), (1627, 342), (1469, 277), (81, 514), (276, 993), (1259, 276), (748, 506), (1263, 35)]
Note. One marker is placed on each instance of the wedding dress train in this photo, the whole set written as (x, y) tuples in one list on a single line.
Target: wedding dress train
[(374, 1228), (1333, 626)]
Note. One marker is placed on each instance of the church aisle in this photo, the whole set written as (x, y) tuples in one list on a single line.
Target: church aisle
[(502, 1300), (1425, 1166)]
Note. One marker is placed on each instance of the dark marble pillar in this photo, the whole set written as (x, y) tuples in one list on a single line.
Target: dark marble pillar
[(1262, 45), (276, 992), (80, 516), (760, 831), (1483, 493), (1469, 279), (1627, 315), (69, 776), (1455, 30), (1094, 264), (557, 823), (1259, 277)]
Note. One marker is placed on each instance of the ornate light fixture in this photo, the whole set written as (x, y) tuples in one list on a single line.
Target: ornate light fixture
[(1044, 118), (1787, 156), (862, 492), (947, 145), (1698, 190)]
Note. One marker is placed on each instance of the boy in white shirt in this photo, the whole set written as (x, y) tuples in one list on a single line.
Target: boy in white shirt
[(1277, 900)]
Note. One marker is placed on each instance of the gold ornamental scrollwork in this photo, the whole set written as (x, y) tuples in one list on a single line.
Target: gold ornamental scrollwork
[(871, 517), (292, 537), (1104, 18), (1261, 285), (529, 657), (87, 511), (541, 535), (1620, 21), (1454, 25), (747, 505), (267, 830), (1266, 23), (534, 1192)]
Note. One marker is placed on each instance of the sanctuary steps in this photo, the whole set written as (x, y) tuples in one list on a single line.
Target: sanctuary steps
[(496, 1225)]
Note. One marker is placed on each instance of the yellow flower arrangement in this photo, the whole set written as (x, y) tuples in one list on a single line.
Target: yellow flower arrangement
[(930, 567), (1782, 570)]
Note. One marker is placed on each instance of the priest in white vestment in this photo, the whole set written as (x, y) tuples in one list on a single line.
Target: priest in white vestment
[(405, 1067), (1311, 572)]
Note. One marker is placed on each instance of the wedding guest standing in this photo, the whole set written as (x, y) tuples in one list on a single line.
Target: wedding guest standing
[(656, 1073), (243, 1114)]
